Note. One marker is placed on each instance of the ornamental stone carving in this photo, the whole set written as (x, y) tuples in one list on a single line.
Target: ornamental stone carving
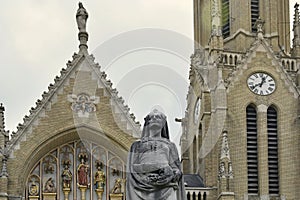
[(198, 58), (83, 104), (33, 188), (49, 186)]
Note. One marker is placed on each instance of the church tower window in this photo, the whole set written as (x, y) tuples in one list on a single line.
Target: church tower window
[(252, 160), (254, 13), (225, 18), (272, 151)]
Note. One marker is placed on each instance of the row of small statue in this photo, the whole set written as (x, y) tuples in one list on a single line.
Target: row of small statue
[(83, 174), (99, 181)]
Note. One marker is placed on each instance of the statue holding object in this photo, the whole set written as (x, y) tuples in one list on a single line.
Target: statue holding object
[(154, 168)]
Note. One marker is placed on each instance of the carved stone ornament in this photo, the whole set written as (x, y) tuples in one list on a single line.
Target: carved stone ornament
[(222, 170), (33, 189), (49, 186), (83, 104), (117, 187), (49, 164), (198, 58), (216, 18), (230, 171), (225, 147)]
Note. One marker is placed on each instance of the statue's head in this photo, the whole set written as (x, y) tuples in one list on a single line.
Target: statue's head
[(156, 120)]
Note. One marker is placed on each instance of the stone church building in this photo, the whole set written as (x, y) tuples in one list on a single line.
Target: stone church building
[(242, 123), (240, 133)]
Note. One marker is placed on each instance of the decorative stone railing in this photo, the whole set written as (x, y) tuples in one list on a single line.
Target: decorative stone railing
[(231, 59), (197, 193), (289, 64)]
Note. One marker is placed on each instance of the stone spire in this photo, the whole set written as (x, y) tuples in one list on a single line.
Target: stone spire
[(216, 18), (225, 171), (81, 19), (225, 155), (216, 43), (296, 30)]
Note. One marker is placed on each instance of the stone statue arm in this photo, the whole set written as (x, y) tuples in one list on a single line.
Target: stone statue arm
[(175, 163)]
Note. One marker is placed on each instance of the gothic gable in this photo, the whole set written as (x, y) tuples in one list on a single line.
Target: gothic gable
[(258, 50), (81, 105)]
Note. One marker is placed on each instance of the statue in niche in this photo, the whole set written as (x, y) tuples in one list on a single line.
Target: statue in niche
[(153, 168), (81, 18), (49, 186), (82, 171), (66, 176), (117, 187), (99, 178)]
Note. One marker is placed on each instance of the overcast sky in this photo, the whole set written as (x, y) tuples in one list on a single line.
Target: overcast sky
[(39, 36)]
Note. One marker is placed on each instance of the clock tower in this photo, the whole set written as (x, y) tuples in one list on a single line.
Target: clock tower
[(242, 122)]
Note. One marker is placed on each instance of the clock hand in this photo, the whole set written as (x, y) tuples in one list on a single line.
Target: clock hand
[(254, 86), (263, 80)]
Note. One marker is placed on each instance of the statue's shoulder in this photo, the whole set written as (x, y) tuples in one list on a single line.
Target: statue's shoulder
[(134, 145), (173, 145)]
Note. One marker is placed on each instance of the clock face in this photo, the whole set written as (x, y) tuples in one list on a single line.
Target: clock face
[(197, 110), (261, 83)]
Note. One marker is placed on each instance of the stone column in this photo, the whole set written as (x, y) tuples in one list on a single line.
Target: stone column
[(262, 146)]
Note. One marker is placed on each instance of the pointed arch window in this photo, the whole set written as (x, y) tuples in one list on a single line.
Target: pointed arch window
[(272, 150), (254, 14), (225, 18), (252, 158)]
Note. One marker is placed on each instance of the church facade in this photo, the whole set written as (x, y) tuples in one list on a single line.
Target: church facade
[(241, 128), (75, 142)]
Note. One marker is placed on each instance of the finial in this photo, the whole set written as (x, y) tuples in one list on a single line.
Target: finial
[(81, 19), (296, 29), (225, 133), (296, 14), (225, 147), (259, 25), (2, 109), (225, 166)]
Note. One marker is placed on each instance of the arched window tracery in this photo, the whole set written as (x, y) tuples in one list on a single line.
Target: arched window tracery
[(74, 168)]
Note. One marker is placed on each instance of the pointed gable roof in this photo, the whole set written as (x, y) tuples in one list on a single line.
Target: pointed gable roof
[(85, 79), (262, 45)]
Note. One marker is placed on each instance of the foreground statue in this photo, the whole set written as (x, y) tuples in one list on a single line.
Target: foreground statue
[(153, 167)]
